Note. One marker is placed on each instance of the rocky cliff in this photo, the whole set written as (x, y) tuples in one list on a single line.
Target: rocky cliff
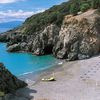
[(8, 82), (77, 38)]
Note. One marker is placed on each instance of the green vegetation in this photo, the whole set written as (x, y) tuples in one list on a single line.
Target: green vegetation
[(56, 14), (74, 9), (74, 6), (53, 15), (84, 7), (2, 94)]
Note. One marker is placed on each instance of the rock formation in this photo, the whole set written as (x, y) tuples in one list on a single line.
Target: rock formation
[(77, 38), (8, 82)]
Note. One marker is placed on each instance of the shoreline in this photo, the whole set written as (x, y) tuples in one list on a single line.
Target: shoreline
[(32, 66), (76, 80), (36, 76)]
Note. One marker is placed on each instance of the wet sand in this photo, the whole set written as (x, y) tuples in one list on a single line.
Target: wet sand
[(77, 80)]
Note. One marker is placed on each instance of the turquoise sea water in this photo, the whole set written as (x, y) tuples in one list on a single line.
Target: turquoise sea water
[(23, 63)]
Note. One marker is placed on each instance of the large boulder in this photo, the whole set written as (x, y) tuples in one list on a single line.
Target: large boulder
[(8, 82)]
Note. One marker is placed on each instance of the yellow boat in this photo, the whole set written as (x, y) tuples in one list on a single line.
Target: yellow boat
[(52, 78), (48, 79)]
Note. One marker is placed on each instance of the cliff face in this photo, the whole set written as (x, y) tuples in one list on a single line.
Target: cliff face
[(38, 43), (8, 82), (77, 38)]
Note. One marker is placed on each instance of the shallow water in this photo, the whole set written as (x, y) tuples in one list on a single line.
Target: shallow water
[(23, 63)]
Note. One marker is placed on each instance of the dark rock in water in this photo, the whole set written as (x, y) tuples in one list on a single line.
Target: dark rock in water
[(3, 38), (14, 48), (8, 82), (77, 38)]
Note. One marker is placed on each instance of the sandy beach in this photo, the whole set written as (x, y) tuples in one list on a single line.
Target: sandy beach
[(77, 80)]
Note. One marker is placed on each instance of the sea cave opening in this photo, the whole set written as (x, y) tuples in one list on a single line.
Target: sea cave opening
[(48, 49)]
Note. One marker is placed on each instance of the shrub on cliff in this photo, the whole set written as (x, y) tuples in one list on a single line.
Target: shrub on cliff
[(74, 9), (84, 7)]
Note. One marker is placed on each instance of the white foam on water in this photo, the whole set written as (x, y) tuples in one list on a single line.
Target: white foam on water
[(26, 73), (60, 63)]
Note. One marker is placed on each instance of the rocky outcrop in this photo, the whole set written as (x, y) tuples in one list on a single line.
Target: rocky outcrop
[(38, 43), (77, 38), (14, 48), (8, 82)]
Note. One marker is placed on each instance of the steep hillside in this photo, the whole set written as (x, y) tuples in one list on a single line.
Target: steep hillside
[(56, 14), (55, 31)]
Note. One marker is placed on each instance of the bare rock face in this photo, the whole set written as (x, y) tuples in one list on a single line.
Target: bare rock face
[(8, 82), (44, 42), (39, 43), (77, 38)]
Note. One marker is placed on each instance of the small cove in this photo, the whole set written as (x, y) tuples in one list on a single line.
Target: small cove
[(24, 63)]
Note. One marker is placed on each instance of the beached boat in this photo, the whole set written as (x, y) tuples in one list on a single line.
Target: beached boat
[(48, 79)]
